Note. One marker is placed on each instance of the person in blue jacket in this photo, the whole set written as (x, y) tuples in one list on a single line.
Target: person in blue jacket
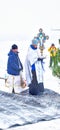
[(14, 65), (14, 69), (34, 69)]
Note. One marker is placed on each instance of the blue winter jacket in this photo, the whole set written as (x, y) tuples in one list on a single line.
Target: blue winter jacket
[(14, 65)]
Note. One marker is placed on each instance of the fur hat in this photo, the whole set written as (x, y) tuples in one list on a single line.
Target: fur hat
[(35, 41)]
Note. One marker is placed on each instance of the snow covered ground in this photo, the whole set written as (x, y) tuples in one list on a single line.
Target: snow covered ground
[(48, 125), (50, 82), (53, 83)]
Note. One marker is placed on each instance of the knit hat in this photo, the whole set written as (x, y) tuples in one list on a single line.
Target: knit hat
[(35, 41), (14, 46), (52, 44)]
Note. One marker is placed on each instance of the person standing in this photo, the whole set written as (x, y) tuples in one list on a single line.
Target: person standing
[(58, 54), (14, 70), (53, 51), (34, 69)]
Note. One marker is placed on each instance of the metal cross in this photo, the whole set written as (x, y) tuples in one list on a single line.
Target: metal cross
[(42, 39)]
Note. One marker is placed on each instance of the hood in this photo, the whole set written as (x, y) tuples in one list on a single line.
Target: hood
[(12, 53)]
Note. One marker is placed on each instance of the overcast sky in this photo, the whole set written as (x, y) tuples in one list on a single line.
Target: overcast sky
[(21, 19)]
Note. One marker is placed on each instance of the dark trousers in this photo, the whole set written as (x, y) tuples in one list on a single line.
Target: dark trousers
[(34, 87)]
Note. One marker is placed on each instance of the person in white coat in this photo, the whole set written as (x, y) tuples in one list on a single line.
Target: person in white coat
[(34, 69)]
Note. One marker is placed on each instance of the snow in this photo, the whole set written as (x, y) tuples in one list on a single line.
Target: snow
[(50, 82), (49, 125)]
